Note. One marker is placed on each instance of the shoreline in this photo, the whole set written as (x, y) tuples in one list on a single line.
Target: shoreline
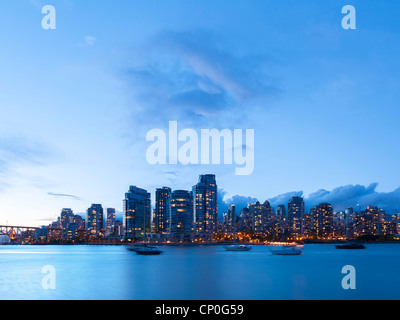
[(206, 244)]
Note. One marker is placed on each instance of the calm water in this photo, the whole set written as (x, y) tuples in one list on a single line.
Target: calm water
[(107, 272)]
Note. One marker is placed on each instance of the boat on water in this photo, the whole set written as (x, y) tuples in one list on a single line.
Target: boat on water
[(350, 246), (238, 247), (146, 250), (287, 250)]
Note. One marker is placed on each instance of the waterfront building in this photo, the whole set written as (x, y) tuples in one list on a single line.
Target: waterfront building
[(307, 224), (95, 221), (54, 231), (205, 206), (65, 220), (41, 234), (162, 211), (349, 222), (137, 213), (244, 223), (296, 216), (110, 218), (373, 221), (181, 221), (322, 220), (260, 215), (229, 219), (281, 216)]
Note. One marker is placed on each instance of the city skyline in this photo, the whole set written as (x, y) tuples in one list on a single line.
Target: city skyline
[(78, 101), (243, 202), (189, 216)]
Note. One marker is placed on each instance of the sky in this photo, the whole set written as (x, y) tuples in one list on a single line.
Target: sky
[(77, 102)]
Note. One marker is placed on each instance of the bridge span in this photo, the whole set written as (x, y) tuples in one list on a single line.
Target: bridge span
[(15, 232)]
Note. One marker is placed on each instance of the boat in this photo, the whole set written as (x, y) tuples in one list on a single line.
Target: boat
[(287, 250), (237, 247), (146, 250), (350, 246)]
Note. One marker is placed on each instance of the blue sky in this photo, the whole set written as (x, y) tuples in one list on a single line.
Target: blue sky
[(76, 102)]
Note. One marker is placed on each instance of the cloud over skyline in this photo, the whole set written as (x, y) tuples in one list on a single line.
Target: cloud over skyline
[(340, 198)]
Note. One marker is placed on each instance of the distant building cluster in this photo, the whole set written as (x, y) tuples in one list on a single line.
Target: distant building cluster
[(192, 216), (292, 222), (71, 227)]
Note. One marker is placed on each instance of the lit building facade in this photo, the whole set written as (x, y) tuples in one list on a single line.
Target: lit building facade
[(95, 221), (296, 216), (162, 211), (181, 221), (137, 213), (205, 213), (229, 219), (65, 220), (110, 218), (259, 214), (322, 220)]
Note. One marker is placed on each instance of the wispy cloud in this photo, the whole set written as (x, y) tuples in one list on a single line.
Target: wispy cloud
[(62, 195), (17, 152), (14, 150), (188, 76)]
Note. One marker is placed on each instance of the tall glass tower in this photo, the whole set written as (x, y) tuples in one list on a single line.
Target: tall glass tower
[(162, 214), (296, 216), (110, 218), (137, 213), (205, 213), (66, 216), (95, 220), (181, 221)]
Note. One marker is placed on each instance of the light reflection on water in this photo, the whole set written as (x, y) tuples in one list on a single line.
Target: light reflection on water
[(112, 272)]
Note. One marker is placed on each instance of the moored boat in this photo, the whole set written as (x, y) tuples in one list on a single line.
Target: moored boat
[(287, 250), (146, 250), (238, 247), (350, 246)]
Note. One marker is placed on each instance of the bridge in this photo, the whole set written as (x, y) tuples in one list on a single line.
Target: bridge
[(14, 232)]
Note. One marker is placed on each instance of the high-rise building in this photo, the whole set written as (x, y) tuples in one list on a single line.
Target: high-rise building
[(245, 223), (296, 216), (229, 220), (307, 224), (65, 220), (205, 205), (259, 216), (322, 220), (162, 212), (349, 222), (95, 221), (137, 213), (181, 221), (281, 216), (373, 221), (54, 231), (110, 218)]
